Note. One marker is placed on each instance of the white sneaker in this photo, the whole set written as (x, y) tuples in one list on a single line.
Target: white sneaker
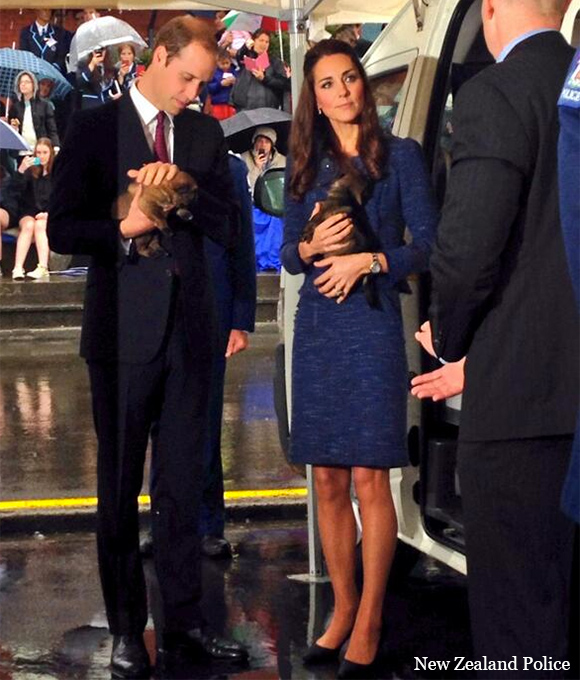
[(39, 273), (18, 274)]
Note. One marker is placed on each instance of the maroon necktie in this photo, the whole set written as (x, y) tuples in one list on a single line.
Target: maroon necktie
[(160, 147)]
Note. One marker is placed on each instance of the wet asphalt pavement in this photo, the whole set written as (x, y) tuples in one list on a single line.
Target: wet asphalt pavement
[(53, 623), (47, 444), (52, 616)]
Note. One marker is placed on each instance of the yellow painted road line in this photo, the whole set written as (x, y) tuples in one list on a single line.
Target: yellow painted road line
[(61, 503)]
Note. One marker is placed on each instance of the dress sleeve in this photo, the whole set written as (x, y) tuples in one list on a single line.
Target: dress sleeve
[(295, 217), (419, 212)]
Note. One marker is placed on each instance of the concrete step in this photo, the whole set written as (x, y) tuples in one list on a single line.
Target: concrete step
[(54, 307)]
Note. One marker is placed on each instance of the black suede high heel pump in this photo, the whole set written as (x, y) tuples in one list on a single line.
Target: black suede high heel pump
[(362, 671)]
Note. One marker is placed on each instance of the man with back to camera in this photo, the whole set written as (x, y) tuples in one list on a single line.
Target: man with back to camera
[(503, 297), (149, 333)]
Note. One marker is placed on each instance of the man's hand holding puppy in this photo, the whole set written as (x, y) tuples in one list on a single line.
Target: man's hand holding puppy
[(137, 223)]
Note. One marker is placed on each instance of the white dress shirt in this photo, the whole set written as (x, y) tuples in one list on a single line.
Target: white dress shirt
[(147, 113)]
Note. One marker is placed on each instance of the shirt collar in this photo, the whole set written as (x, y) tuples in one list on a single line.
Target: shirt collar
[(41, 29), (146, 110), (510, 46)]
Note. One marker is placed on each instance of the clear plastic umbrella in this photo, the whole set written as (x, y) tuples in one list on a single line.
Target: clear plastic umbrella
[(102, 32)]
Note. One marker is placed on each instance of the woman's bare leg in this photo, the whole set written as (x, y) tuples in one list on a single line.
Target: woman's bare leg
[(25, 236), (41, 240), (379, 540), (338, 536)]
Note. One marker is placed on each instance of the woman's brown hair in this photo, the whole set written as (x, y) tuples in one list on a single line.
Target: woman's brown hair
[(260, 31), (37, 170), (312, 133)]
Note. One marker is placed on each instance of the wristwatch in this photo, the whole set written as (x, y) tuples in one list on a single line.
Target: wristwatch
[(375, 267)]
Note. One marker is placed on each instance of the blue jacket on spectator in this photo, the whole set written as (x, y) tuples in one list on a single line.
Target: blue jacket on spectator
[(219, 93)]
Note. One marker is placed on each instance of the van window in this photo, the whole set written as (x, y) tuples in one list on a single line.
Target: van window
[(466, 55), (387, 92)]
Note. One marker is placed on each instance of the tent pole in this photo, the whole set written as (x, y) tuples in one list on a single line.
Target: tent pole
[(279, 26)]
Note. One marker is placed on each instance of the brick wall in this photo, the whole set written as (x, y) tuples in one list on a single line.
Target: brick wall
[(12, 21)]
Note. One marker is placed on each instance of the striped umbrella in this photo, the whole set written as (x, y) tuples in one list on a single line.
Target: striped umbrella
[(14, 61)]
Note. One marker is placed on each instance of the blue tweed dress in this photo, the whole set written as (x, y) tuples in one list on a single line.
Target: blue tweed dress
[(349, 368)]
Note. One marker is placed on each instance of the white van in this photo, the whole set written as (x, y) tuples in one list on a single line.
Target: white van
[(416, 66)]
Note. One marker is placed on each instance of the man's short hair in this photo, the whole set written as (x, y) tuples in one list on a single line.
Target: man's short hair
[(548, 8), (184, 30)]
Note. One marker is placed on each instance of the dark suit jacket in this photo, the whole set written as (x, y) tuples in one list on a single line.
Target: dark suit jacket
[(31, 41), (42, 118), (233, 270), (501, 292), (128, 300)]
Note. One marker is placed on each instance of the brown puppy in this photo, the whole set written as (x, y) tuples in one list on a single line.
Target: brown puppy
[(347, 195), (156, 202)]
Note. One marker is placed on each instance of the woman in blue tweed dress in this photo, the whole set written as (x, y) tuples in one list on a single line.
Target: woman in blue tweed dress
[(349, 378)]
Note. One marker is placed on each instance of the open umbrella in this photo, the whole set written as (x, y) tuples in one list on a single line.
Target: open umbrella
[(12, 139), (102, 32), (14, 61), (239, 128)]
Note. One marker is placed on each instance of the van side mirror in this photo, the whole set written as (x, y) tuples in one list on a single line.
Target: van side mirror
[(269, 192)]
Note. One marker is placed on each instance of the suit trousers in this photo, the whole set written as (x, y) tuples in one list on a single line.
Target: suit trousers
[(212, 516), (131, 402), (519, 550)]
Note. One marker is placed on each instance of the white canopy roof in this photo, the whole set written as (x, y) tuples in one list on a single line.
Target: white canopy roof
[(332, 11)]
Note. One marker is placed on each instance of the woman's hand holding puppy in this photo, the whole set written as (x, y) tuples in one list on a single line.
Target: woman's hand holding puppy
[(329, 236)]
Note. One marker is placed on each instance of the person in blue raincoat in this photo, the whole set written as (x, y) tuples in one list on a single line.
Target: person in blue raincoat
[(569, 179), (233, 274)]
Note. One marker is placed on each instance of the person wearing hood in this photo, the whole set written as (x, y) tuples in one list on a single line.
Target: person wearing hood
[(32, 116), (267, 229), (263, 155)]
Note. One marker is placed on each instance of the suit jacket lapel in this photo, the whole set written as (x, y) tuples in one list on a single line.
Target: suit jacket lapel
[(133, 148), (182, 140)]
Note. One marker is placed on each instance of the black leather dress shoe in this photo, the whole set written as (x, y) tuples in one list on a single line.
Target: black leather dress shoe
[(203, 644), (216, 547), (129, 658)]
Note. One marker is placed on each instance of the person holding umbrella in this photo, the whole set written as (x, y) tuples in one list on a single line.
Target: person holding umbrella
[(95, 79), (30, 115)]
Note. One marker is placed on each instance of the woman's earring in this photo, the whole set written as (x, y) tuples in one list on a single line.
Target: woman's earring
[(319, 111)]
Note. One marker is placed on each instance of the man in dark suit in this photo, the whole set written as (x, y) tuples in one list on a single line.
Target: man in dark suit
[(233, 273), (502, 296), (46, 41), (149, 333)]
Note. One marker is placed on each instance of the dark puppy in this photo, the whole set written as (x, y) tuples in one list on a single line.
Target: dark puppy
[(347, 195), (156, 202)]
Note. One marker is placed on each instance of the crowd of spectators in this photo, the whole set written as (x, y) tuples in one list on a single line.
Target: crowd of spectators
[(248, 76)]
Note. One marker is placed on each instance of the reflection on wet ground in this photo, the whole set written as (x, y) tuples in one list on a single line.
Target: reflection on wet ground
[(48, 449), (53, 623)]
